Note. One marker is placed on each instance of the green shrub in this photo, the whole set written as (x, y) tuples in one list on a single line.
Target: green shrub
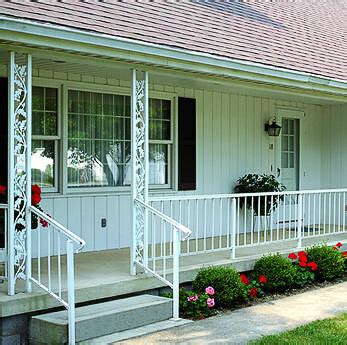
[(226, 282), (330, 261), (279, 272)]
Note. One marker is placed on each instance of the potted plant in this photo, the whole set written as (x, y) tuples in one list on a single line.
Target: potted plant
[(257, 183)]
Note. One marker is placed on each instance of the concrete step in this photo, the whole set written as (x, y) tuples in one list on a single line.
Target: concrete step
[(100, 319)]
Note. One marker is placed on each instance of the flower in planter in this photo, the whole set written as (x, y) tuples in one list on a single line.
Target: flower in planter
[(292, 256), (3, 190), (210, 302), (210, 290), (262, 279), (253, 292), (244, 279), (192, 298), (313, 266)]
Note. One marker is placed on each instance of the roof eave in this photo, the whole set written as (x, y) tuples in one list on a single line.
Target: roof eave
[(69, 39)]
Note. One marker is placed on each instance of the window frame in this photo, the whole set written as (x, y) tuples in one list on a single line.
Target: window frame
[(122, 91), (57, 139)]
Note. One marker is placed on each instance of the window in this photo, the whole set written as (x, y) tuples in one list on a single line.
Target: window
[(99, 144), (45, 137)]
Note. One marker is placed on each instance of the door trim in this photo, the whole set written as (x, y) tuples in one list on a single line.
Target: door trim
[(298, 114)]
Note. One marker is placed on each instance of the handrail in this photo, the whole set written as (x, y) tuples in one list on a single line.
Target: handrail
[(60, 227), (168, 219), (243, 195), (3, 206)]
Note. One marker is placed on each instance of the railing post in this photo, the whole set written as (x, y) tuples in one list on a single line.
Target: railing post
[(71, 290), (233, 228), (176, 273), (300, 205)]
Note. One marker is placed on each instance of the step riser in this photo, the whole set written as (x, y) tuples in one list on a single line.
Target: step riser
[(43, 331)]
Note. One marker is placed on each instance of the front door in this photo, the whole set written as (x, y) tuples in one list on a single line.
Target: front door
[(290, 153), (288, 169), (3, 165)]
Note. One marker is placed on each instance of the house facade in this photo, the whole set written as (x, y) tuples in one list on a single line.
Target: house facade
[(85, 87)]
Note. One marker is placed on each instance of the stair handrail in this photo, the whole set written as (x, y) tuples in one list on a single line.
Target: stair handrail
[(71, 239), (177, 229)]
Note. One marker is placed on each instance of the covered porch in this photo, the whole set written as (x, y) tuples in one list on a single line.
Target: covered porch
[(161, 224)]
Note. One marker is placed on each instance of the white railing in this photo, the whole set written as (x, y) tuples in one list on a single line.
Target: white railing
[(223, 222), (3, 225), (163, 250), (53, 242)]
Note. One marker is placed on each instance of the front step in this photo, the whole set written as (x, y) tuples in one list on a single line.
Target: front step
[(100, 319)]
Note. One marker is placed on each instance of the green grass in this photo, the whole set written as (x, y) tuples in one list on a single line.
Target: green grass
[(327, 331)]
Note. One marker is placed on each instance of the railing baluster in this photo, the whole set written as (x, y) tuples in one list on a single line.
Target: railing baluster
[(228, 223), (49, 260), (39, 252), (233, 228), (205, 223), (59, 264), (220, 222), (314, 215), (197, 226), (188, 225), (252, 219), (265, 218), (271, 217), (245, 222), (213, 222)]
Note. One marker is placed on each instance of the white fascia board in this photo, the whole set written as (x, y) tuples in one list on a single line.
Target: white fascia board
[(60, 37)]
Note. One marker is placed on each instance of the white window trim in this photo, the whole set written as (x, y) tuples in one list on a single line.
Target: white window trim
[(115, 90), (37, 82)]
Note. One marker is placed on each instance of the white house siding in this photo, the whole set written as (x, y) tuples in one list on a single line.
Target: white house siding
[(231, 141), (334, 146)]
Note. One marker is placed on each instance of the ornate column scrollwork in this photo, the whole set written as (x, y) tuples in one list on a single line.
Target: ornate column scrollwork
[(19, 180), (139, 118)]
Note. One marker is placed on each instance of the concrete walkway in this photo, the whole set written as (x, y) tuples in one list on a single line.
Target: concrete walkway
[(243, 325)]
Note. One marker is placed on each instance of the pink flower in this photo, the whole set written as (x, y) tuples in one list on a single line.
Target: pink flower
[(192, 298), (210, 302), (210, 290)]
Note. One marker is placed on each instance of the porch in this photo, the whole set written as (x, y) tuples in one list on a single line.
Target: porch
[(105, 275)]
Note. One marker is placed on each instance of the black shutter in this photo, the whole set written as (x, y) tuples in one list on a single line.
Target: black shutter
[(186, 143), (3, 130)]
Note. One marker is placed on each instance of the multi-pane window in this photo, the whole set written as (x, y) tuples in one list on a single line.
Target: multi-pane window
[(99, 144), (45, 136)]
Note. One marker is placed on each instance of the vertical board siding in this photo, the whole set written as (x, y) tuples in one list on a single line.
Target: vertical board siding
[(231, 141)]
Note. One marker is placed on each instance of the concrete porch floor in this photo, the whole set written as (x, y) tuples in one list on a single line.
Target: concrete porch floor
[(102, 275)]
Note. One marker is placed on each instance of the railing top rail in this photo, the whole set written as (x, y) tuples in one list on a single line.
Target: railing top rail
[(60, 227), (168, 219), (3, 206), (243, 195)]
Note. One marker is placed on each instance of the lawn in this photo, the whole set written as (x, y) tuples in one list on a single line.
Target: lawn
[(328, 331)]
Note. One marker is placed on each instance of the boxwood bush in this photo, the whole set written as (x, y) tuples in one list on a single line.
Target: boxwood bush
[(331, 264), (279, 272), (229, 290)]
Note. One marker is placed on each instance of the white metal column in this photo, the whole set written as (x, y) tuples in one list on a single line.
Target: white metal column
[(139, 154), (19, 169)]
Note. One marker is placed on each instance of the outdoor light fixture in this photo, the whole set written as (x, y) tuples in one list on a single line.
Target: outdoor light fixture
[(273, 129)]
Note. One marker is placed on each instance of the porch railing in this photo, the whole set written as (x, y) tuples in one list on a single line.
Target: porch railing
[(163, 250), (53, 242), (230, 221)]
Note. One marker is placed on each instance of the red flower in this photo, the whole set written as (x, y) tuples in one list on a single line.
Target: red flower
[(292, 256), (262, 279), (35, 189), (313, 266), (253, 292), (44, 223), (302, 253), (302, 263), (35, 199), (338, 244), (344, 254), (3, 190), (244, 279)]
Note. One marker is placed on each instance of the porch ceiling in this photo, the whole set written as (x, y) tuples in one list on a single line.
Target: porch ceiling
[(60, 62)]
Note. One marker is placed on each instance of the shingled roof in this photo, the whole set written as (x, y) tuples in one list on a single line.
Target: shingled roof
[(302, 35)]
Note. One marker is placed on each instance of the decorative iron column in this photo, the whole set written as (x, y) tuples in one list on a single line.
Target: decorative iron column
[(139, 154), (19, 169)]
